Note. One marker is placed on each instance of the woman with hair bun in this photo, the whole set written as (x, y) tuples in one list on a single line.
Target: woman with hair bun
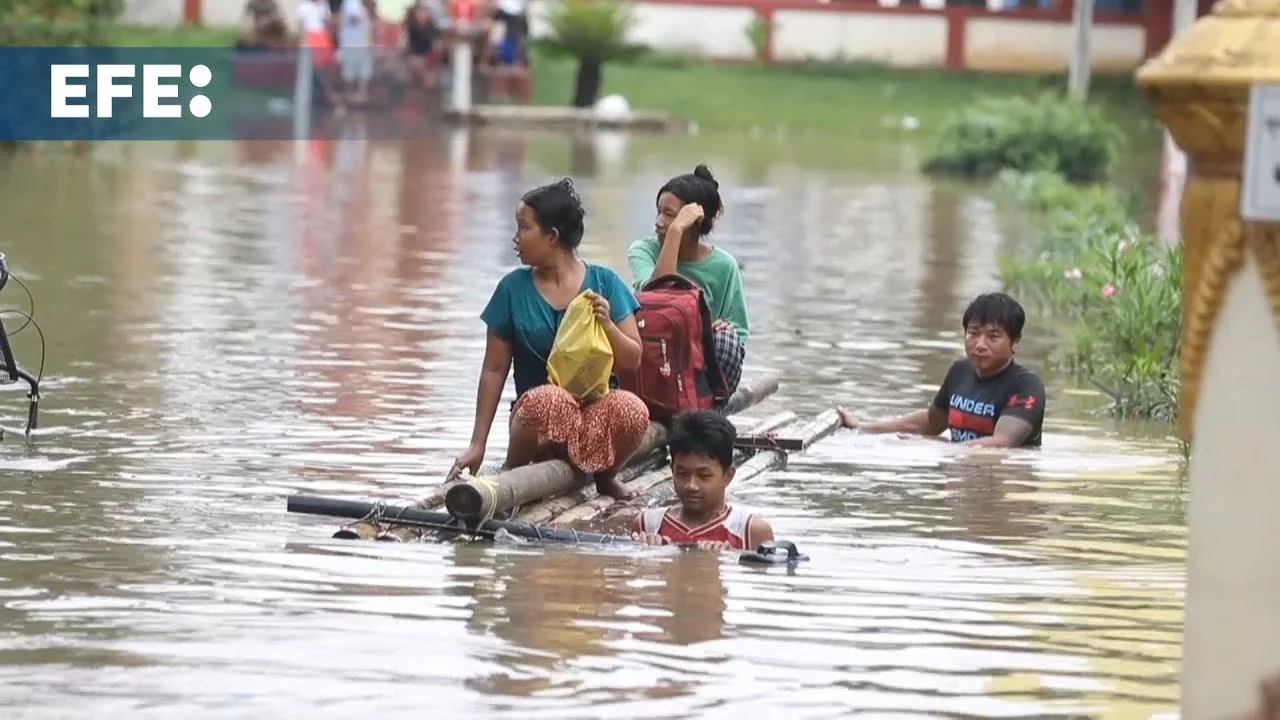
[(688, 206), (522, 318)]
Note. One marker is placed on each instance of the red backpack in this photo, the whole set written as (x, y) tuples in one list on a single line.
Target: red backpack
[(677, 369)]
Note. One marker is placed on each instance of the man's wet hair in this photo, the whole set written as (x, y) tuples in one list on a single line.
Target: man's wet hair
[(703, 432), (997, 309)]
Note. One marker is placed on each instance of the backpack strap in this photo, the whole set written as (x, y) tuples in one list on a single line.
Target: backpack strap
[(671, 282)]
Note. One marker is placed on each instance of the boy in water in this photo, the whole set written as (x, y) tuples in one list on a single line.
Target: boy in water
[(986, 399), (701, 448)]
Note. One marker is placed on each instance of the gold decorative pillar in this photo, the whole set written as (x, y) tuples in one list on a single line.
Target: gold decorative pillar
[(1230, 365)]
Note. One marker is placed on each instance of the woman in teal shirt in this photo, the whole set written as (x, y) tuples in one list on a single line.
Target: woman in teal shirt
[(522, 318), (687, 208)]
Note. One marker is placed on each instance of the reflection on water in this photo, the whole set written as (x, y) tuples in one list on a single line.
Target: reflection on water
[(230, 323)]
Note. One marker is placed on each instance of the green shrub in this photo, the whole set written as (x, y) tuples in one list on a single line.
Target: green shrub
[(28, 23), (1047, 133), (1135, 337), (1113, 293)]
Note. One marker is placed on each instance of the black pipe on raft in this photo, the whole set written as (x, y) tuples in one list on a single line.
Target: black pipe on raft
[(780, 552), (401, 515)]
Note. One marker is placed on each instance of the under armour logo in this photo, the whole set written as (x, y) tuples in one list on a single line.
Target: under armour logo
[(1028, 402)]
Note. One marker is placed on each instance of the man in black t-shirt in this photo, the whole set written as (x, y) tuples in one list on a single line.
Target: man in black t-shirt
[(986, 399)]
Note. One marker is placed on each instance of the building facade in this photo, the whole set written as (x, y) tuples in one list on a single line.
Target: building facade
[(981, 35)]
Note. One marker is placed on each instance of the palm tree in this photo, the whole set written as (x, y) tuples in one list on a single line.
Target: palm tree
[(594, 32)]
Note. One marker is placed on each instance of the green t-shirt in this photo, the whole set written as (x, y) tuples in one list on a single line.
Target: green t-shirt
[(718, 276)]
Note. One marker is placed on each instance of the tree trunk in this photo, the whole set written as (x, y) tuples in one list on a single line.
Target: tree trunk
[(587, 87)]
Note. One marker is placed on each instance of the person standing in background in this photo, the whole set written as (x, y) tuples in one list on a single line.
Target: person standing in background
[(422, 44), (315, 27), (511, 42), (355, 38), (262, 26)]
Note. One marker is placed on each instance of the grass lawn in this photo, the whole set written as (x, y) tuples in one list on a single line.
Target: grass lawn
[(797, 103), (123, 36), (818, 99)]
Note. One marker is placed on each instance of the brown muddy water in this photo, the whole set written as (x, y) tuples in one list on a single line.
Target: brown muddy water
[(228, 324)]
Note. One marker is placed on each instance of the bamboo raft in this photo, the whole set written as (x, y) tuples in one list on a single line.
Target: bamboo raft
[(551, 499)]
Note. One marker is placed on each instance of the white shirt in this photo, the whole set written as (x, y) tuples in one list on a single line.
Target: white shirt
[(312, 16), (353, 25)]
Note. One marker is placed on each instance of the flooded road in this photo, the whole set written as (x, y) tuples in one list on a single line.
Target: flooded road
[(228, 324)]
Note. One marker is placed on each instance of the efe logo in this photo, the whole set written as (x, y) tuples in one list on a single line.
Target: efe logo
[(112, 84)]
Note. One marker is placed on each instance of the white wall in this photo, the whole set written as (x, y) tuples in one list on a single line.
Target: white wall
[(152, 13), (906, 40), (994, 43)]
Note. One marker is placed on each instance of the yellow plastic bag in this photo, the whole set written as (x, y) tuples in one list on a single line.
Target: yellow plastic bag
[(581, 358)]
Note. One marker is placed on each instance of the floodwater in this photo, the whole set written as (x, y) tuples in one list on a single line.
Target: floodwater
[(229, 324)]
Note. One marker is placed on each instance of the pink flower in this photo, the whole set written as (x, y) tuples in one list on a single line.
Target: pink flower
[(1108, 291)]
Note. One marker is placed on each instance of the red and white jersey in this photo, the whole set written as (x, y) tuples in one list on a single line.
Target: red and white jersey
[(731, 526)]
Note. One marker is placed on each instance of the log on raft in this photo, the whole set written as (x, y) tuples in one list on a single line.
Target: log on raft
[(444, 524), (654, 487), (586, 501), (659, 490), (800, 440), (481, 498), (365, 530), (407, 533), (557, 473)]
